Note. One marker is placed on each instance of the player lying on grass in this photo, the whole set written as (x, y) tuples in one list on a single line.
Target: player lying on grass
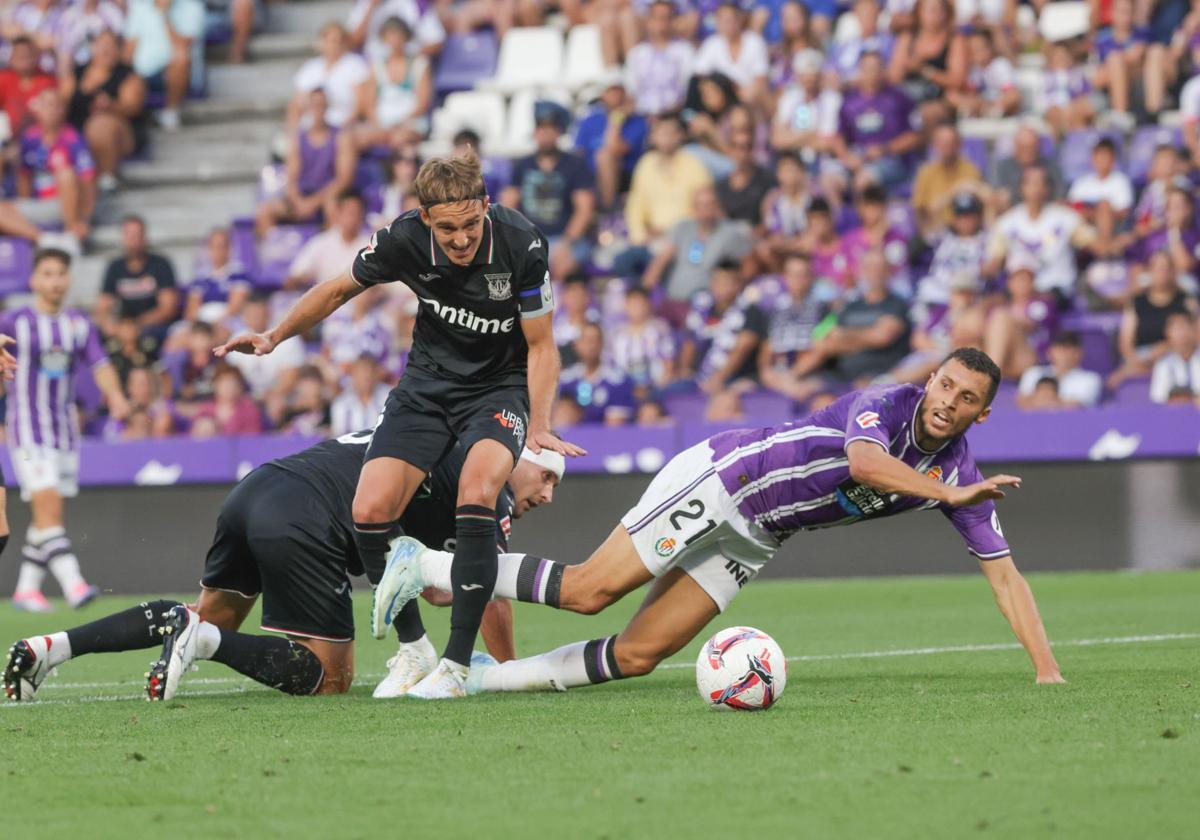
[(285, 532), (720, 510)]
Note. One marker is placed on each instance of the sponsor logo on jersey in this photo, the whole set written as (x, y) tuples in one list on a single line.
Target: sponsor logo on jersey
[(499, 286), (665, 547), (462, 317), (740, 576), (513, 422), (428, 278), (506, 526), (996, 525), (867, 420), (860, 500), (935, 473), (535, 244)]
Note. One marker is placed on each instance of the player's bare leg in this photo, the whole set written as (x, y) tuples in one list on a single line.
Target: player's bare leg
[(226, 609), (48, 548), (675, 610)]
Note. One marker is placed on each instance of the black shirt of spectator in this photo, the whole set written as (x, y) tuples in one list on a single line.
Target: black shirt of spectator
[(136, 285)]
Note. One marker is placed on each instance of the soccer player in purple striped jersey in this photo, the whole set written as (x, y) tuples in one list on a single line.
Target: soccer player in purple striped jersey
[(51, 343), (720, 510)]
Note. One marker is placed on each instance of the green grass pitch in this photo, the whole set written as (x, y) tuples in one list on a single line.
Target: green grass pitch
[(943, 735)]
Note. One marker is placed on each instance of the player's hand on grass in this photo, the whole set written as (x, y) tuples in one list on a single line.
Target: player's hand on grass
[(257, 344), (982, 491), (1054, 678), (545, 439)]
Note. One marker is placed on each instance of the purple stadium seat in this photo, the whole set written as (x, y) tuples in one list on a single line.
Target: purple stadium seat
[(687, 405), (16, 263), (1006, 398), (1075, 155), (975, 149), (1142, 146), (369, 175), (465, 59), (244, 244), (766, 407), (1133, 392), (1097, 332), (277, 250)]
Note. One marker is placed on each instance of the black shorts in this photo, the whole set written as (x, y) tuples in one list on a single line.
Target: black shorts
[(275, 536), (423, 418)]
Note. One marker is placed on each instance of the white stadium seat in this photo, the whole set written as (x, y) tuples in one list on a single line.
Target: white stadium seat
[(529, 56), (583, 62), (479, 110)]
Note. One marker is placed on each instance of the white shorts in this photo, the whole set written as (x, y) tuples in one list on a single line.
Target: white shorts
[(45, 468), (686, 520)]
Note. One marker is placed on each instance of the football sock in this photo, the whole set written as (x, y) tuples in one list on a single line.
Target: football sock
[(519, 577), (58, 555), (372, 539), (3, 542), (33, 568), (408, 624), (132, 629), (277, 663), (582, 663), (472, 578)]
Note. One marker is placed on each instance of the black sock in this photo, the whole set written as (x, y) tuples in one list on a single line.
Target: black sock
[(408, 624), (600, 660), (133, 629), (3, 542), (472, 577), (372, 539), (277, 663), (539, 581)]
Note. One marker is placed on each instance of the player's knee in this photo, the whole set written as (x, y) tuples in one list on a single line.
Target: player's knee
[(371, 507)]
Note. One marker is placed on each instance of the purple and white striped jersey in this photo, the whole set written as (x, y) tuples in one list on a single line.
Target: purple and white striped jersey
[(49, 351), (796, 477)]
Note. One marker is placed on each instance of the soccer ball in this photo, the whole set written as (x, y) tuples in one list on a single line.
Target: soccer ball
[(741, 669)]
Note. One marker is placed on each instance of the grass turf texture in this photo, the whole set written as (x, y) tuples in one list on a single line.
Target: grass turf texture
[(946, 744)]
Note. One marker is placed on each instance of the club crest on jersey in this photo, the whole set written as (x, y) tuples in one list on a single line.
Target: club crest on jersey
[(935, 473), (665, 547), (499, 286), (867, 420)]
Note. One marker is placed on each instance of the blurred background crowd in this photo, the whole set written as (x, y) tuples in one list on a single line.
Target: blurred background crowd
[(752, 207)]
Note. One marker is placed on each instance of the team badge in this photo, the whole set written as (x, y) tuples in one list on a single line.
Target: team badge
[(665, 547), (935, 473), (867, 420), (499, 286)]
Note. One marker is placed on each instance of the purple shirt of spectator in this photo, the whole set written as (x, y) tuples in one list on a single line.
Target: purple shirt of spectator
[(856, 243), (318, 164), (1060, 87), (1107, 42), (872, 120), (1160, 239), (844, 57), (658, 76), (78, 26), (796, 476), (32, 18), (215, 284), (716, 334), (641, 354), (50, 350), (43, 158), (345, 339), (1042, 313), (605, 393)]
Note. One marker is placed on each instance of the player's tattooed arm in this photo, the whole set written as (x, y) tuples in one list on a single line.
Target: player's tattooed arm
[(318, 303), (1015, 600), (544, 366), (874, 466)]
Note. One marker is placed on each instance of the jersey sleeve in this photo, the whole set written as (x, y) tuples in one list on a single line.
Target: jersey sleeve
[(874, 416), (380, 261), (979, 524), (535, 295)]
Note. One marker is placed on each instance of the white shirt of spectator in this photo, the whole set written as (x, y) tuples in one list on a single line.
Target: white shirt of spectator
[(1116, 189), (349, 413), (1047, 239), (145, 24), (1076, 386), (426, 26), (798, 113), (997, 78), (1173, 371), (339, 82), (1189, 101), (954, 255), (990, 11), (326, 255), (659, 77), (752, 62), (261, 372)]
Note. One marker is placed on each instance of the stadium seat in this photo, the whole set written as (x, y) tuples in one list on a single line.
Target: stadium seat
[(1097, 333), (685, 406), (1141, 149), (465, 61), (765, 407), (16, 263), (277, 250), (1075, 154), (1064, 20), (519, 137), (1133, 392), (479, 110), (529, 56), (975, 149), (583, 61), (243, 244)]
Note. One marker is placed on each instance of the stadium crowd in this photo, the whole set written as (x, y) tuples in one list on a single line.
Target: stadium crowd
[(755, 204)]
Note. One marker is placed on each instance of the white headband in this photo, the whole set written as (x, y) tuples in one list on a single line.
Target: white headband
[(547, 459)]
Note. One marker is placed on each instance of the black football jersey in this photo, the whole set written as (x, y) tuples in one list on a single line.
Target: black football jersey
[(468, 321)]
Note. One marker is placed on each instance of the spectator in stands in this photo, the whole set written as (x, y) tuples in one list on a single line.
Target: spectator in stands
[(220, 285), (1185, 63), (603, 392), (193, 369), (142, 389), (320, 165), (795, 35), (360, 329), (693, 247), (1120, 50), (332, 250), (395, 196), (664, 183), (344, 76), (572, 315), (1047, 233), (129, 348), (1026, 153), (990, 87), (929, 62), (306, 408), (1019, 329), (875, 128), (401, 94), (1177, 373), (359, 405), (736, 52), (806, 115), (106, 104), (871, 336), (1142, 338), (742, 191), (232, 411), (940, 328), (658, 67), (1178, 235), (368, 18), (139, 284), (20, 83), (959, 254), (1103, 196), (611, 138), (82, 22), (874, 232), (37, 20), (554, 189), (784, 214), (821, 244), (940, 180), (276, 372), (1150, 211), (714, 110), (159, 38), (845, 55), (56, 178), (643, 347), (1067, 93), (1076, 387), (792, 326)]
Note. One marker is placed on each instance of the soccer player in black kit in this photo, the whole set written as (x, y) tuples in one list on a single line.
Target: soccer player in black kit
[(285, 533), (483, 372)]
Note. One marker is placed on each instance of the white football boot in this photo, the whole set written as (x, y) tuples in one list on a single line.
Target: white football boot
[(401, 582), (446, 681), (26, 667), (411, 664), (180, 630)]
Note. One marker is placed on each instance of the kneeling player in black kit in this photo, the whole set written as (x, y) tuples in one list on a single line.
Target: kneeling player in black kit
[(285, 532)]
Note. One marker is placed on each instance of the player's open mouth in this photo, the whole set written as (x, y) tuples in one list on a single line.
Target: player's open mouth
[(940, 421)]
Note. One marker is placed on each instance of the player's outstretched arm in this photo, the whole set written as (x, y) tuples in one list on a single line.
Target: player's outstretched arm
[(874, 466), (317, 304), (544, 366), (1015, 599)]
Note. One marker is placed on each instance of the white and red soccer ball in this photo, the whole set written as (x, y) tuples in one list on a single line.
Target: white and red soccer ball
[(741, 669)]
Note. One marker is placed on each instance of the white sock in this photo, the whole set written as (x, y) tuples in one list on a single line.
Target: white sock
[(435, 569), (58, 648), (37, 536), (65, 568), (566, 667), (31, 577), (208, 639), (423, 643)]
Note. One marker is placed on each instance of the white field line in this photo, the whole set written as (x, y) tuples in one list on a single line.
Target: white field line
[(368, 678)]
